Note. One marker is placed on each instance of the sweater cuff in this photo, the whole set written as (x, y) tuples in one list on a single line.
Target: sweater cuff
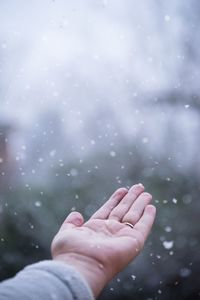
[(74, 281)]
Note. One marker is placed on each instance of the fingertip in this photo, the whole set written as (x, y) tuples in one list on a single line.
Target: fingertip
[(139, 187), (120, 193), (122, 190), (74, 218), (151, 209), (147, 195)]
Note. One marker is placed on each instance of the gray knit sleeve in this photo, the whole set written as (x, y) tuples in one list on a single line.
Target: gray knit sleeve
[(46, 280)]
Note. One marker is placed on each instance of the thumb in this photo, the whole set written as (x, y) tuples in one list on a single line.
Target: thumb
[(74, 219)]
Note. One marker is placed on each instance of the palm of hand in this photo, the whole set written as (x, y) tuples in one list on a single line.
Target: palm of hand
[(105, 239), (109, 242)]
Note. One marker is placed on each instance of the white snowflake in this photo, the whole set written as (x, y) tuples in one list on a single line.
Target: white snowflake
[(168, 244)]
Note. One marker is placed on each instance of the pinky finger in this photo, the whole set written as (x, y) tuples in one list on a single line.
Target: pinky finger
[(145, 223)]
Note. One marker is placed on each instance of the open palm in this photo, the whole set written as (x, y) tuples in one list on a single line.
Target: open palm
[(105, 239)]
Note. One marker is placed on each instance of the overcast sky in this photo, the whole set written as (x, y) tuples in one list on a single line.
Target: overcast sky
[(91, 58), (73, 53)]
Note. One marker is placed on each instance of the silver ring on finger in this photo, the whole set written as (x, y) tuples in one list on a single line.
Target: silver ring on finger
[(129, 224)]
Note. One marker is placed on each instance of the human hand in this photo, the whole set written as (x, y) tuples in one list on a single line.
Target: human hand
[(104, 245)]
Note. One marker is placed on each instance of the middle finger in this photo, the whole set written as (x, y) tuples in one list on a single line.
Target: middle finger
[(121, 209)]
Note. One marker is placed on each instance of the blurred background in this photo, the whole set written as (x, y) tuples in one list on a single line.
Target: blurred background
[(95, 95)]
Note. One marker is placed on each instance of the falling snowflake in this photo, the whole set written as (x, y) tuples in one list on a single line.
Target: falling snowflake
[(112, 153), (168, 229), (38, 203), (168, 244), (185, 272), (145, 140), (167, 18)]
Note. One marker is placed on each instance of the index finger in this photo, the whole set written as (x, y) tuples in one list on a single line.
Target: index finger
[(104, 211)]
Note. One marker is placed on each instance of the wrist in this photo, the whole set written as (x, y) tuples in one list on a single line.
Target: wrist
[(92, 271)]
